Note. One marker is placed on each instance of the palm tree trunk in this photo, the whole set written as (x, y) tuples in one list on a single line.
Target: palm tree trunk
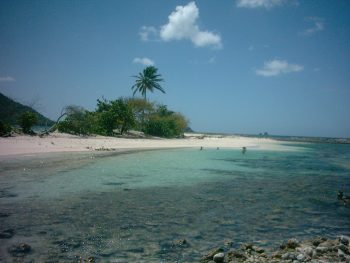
[(143, 114)]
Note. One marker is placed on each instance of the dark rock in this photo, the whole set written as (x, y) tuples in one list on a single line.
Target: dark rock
[(322, 250), (342, 247), (229, 243), (248, 246), (344, 240), (211, 255), (219, 257), (277, 255), (2, 215), (7, 233), (181, 243), (292, 243), (19, 250), (7, 194), (258, 249), (289, 256), (318, 240), (341, 254), (233, 254)]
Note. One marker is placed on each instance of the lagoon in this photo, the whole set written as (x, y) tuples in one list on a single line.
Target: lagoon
[(138, 207)]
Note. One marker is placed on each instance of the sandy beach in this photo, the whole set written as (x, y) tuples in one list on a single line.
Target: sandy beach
[(60, 142)]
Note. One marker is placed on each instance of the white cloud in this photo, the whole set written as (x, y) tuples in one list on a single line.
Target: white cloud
[(259, 3), (318, 25), (144, 61), (7, 79), (276, 67), (148, 33), (182, 24)]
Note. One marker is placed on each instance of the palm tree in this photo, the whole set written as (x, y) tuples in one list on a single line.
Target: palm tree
[(147, 80)]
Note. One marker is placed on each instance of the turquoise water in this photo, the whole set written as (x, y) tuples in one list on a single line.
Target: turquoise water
[(136, 207)]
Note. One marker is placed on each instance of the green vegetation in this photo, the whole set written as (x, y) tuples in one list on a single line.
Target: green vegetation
[(114, 115), (27, 120), (165, 123), (78, 121), (5, 129), (118, 116), (121, 115), (147, 80), (111, 117), (10, 111)]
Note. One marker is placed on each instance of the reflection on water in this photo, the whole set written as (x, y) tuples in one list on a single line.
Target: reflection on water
[(139, 207)]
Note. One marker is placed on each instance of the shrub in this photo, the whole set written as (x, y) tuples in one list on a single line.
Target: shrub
[(78, 121), (5, 129), (165, 123), (27, 120)]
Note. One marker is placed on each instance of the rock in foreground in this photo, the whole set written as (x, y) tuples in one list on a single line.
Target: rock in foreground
[(317, 250)]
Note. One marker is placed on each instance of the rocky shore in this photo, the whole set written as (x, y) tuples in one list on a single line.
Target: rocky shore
[(317, 250)]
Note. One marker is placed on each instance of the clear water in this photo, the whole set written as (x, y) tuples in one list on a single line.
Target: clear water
[(135, 207)]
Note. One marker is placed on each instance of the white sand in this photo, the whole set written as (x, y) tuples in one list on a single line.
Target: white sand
[(59, 142)]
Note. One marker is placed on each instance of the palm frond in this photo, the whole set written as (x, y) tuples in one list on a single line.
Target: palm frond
[(147, 80)]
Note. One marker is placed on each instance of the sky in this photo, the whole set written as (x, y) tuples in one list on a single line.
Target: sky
[(232, 66)]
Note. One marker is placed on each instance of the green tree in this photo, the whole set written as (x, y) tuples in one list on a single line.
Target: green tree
[(27, 120), (117, 114), (142, 109), (124, 115), (149, 79)]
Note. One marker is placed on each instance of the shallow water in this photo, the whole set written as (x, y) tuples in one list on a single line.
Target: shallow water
[(136, 207)]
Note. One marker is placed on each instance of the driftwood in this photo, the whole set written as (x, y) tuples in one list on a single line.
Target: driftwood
[(53, 127)]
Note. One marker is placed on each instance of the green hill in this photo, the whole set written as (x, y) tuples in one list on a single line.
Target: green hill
[(10, 110)]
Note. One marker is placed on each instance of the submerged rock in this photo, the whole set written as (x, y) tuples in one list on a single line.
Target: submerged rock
[(19, 250), (181, 243), (4, 214), (8, 233), (88, 260)]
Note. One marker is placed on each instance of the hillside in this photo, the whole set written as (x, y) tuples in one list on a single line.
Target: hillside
[(10, 110)]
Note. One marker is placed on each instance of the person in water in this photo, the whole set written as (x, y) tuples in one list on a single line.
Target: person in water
[(244, 149)]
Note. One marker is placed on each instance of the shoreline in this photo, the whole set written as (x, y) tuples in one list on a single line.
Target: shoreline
[(56, 161), (22, 145)]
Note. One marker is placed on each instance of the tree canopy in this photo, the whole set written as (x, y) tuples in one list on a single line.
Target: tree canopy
[(148, 80)]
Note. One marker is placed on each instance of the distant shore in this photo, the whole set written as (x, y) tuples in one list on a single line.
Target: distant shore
[(60, 142)]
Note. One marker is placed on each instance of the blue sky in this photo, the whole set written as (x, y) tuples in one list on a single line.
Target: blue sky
[(235, 66)]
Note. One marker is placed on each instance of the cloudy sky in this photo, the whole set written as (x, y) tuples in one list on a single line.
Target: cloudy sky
[(235, 66)]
